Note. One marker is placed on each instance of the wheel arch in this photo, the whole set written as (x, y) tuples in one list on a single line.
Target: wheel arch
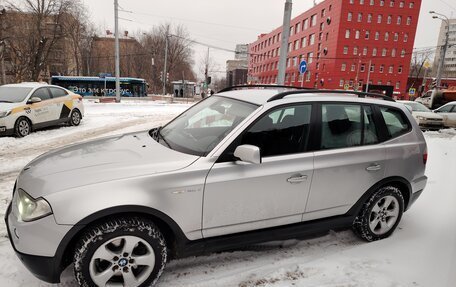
[(401, 183), (173, 234)]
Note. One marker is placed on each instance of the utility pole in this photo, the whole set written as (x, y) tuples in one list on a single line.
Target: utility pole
[(443, 48), (357, 74), (368, 76), (2, 43), (117, 60), (284, 42), (166, 61), (206, 72)]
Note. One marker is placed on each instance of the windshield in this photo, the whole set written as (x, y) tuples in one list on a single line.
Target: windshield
[(198, 130), (13, 94), (417, 107)]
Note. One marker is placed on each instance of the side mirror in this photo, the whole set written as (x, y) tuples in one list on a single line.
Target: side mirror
[(248, 153), (33, 100)]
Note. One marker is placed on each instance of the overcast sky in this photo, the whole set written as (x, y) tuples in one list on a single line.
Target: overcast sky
[(230, 22)]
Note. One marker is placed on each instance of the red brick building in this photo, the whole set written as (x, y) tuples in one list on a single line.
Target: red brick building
[(341, 40)]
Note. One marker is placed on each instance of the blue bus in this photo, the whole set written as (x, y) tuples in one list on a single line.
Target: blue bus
[(102, 86)]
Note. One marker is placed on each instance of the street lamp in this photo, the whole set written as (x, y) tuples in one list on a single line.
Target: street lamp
[(444, 47)]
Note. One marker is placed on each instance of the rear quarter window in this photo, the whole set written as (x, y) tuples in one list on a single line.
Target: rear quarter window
[(396, 122), (57, 93)]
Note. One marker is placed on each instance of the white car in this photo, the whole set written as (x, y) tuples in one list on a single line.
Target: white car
[(448, 112), (29, 106), (426, 119)]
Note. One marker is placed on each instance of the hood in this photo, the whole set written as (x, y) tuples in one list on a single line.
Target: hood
[(9, 106), (428, 115), (107, 159)]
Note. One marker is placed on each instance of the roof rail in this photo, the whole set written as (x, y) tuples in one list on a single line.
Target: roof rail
[(260, 86), (315, 91)]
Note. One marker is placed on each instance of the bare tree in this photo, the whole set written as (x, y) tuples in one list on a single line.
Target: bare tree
[(417, 69)]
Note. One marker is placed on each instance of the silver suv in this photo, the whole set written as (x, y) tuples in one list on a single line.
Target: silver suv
[(247, 165)]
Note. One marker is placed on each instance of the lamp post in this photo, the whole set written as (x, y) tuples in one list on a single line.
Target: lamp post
[(284, 43), (443, 48)]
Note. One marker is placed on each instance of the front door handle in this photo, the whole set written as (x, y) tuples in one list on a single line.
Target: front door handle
[(374, 167), (297, 179)]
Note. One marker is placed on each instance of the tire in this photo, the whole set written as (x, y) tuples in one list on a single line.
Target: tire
[(22, 128), (380, 215), (75, 118), (115, 241)]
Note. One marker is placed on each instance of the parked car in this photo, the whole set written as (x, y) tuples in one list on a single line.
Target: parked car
[(29, 106), (448, 113), (434, 99), (426, 119), (233, 170)]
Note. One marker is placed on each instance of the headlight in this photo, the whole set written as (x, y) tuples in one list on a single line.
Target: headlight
[(421, 118), (5, 114), (29, 208)]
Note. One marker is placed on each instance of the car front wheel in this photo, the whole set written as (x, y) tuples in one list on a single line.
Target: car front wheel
[(380, 215), (22, 128), (75, 118), (126, 252)]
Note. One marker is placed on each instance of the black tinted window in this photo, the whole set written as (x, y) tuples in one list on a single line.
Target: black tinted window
[(396, 121), (347, 125), (42, 93), (282, 131), (56, 92)]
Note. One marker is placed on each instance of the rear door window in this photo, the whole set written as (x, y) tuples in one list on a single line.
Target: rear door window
[(57, 93), (396, 122)]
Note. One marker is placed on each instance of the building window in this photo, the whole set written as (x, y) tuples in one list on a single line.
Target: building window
[(398, 85), (345, 50), (355, 50), (403, 53), (308, 76), (323, 13), (382, 67), (347, 34), (399, 20), (349, 16), (382, 3), (372, 2), (296, 45), (396, 37), (405, 37), (390, 19), (399, 69), (409, 20), (401, 4), (369, 18), (341, 83), (363, 68), (393, 52), (304, 42), (313, 20), (360, 17), (379, 18), (297, 27), (305, 24), (374, 52), (377, 35), (312, 39), (386, 36), (384, 51), (310, 57), (289, 47), (391, 3), (357, 34), (391, 69), (388, 83), (353, 67), (361, 2), (367, 35), (343, 67), (291, 30), (288, 62), (372, 68), (411, 5), (295, 61), (352, 1), (365, 51)]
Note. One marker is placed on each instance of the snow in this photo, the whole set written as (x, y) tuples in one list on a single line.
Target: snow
[(422, 251)]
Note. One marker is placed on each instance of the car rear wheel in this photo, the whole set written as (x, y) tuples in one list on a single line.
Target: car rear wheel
[(22, 128), (380, 215), (126, 252), (75, 118)]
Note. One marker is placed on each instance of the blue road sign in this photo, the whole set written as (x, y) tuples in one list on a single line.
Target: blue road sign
[(303, 67)]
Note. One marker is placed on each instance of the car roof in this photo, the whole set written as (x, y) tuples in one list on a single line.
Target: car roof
[(27, 85), (260, 96)]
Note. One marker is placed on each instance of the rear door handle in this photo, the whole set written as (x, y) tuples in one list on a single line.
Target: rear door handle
[(374, 167), (297, 179)]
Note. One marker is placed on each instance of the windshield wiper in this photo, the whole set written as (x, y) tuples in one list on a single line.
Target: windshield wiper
[(156, 135)]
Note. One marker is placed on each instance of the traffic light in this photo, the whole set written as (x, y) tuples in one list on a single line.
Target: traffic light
[(161, 76), (167, 77)]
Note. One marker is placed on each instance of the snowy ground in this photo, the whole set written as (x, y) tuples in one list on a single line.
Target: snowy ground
[(422, 252)]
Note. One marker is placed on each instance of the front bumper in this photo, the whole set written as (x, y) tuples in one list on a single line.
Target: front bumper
[(46, 268)]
